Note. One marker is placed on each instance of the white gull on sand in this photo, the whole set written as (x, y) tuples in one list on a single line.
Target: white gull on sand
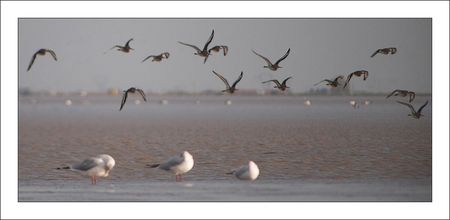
[(179, 164), (98, 166), (246, 172)]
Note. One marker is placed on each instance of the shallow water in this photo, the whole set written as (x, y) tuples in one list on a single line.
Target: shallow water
[(328, 142)]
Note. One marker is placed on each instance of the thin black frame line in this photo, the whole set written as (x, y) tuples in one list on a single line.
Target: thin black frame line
[(18, 108)]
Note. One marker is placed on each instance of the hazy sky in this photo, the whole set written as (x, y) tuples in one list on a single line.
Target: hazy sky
[(320, 48)]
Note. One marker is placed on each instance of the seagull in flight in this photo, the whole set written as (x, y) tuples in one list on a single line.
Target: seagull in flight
[(332, 83), (125, 48), (385, 51), (358, 73), (131, 90), (275, 66), (204, 52), (98, 166), (41, 52), (158, 58), (282, 86), (229, 89), (415, 114), (403, 93)]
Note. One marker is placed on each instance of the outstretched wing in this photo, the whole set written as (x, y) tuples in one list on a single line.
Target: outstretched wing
[(375, 53), (142, 94), (267, 60), (239, 79), (124, 99), (223, 79), (118, 46), (52, 53), (273, 80), (128, 42), (148, 58), (205, 48), (392, 93), (337, 78), (348, 79), (420, 109), (190, 45), (409, 105), (32, 61), (284, 57), (284, 81), (325, 80)]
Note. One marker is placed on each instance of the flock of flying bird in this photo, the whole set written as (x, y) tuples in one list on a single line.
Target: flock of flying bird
[(101, 165)]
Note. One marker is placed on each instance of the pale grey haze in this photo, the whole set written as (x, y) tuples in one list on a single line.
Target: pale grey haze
[(320, 48)]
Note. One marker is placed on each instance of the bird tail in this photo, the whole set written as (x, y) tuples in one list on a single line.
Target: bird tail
[(152, 165), (63, 168)]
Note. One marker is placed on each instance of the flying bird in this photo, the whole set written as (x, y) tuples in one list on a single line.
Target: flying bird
[(229, 89), (131, 90), (246, 172), (403, 93), (281, 86), (415, 114), (125, 48), (389, 50), (98, 166), (271, 66), (217, 49), (332, 83), (41, 52), (358, 73), (204, 52), (179, 164), (158, 58)]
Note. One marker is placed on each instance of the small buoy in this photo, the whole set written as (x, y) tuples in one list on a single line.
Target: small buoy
[(307, 102), (68, 102), (137, 102), (367, 102), (83, 93), (228, 102), (163, 102)]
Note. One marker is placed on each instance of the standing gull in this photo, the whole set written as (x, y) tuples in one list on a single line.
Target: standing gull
[(131, 90), (281, 86), (358, 73), (415, 114), (332, 83), (158, 58), (229, 89), (403, 93), (246, 172), (385, 51), (275, 66), (125, 48), (178, 165), (98, 166), (41, 52)]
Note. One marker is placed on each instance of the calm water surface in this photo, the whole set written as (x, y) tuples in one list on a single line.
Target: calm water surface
[(328, 142)]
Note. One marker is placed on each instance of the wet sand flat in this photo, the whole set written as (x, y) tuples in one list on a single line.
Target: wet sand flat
[(328, 144)]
